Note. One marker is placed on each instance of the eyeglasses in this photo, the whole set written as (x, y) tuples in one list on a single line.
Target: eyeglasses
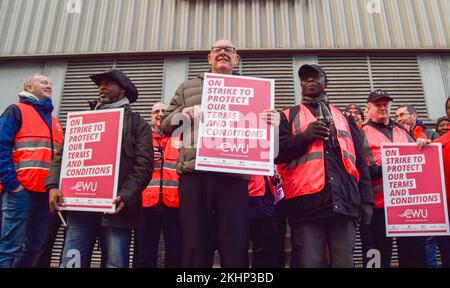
[(158, 111), (228, 50)]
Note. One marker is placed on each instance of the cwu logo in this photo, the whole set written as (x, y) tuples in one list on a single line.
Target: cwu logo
[(233, 148), (85, 186), (414, 214)]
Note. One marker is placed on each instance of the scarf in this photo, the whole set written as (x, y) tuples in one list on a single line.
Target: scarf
[(29, 95), (119, 104), (323, 113)]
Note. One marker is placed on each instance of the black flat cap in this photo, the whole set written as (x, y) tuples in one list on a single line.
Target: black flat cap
[(121, 79), (377, 95), (310, 67)]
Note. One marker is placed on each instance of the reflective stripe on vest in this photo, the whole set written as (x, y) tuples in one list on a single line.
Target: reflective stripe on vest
[(373, 139), (31, 145), (169, 180), (306, 175), (32, 164), (166, 183), (305, 158), (32, 153)]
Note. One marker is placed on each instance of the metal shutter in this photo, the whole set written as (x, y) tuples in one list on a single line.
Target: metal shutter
[(147, 75), (351, 78), (278, 68), (78, 87), (197, 65), (400, 76), (348, 76)]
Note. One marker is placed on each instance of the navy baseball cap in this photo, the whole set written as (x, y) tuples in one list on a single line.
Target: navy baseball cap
[(307, 68), (377, 95)]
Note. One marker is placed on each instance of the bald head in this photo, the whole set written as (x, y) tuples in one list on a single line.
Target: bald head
[(39, 85), (223, 57), (158, 110)]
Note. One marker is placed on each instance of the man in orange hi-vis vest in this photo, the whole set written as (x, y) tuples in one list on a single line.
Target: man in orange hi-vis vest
[(326, 180), (29, 138), (160, 201), (381, 129)]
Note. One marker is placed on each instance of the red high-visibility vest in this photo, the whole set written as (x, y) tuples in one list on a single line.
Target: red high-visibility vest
[(32, 151), (164, 181), (372, 146), (418, 132), (256, 186), (306, 175), (445, 140)]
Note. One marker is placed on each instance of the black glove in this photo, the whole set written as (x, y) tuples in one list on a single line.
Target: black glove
[(316, 130), (366, 213)]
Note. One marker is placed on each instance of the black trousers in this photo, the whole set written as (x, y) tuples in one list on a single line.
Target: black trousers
[(146, 238), (214, 215), (267, 243), (411, 250)]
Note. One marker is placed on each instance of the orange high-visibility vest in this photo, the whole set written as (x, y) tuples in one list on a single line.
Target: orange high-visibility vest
[(418, 132), (32, 151), (372, 146), (164, 181), (256, 186), (306, 175)]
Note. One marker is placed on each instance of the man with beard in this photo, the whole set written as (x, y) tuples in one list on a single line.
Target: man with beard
[(136, 164), (326, 181)]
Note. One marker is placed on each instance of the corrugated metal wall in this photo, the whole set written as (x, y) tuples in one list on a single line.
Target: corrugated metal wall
[(352, 76), (46, 27)]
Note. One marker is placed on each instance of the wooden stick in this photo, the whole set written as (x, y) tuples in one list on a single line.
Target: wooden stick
[(62, 220)]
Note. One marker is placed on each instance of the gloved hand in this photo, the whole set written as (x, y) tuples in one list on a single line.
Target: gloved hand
[(366, 212), (316, 130)]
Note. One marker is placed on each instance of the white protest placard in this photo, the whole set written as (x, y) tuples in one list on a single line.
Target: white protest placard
[(232, 135), (91, 160), (414, 190)]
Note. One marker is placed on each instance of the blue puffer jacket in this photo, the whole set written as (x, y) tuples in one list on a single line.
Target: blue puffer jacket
[(10, 124)]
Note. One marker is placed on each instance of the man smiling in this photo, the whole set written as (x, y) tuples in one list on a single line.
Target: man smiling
[(213, 206), (115, 90), (29, 137)]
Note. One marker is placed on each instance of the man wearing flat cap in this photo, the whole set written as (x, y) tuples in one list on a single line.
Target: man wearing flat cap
[(326, 181), (381, 129), (136, 163)]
